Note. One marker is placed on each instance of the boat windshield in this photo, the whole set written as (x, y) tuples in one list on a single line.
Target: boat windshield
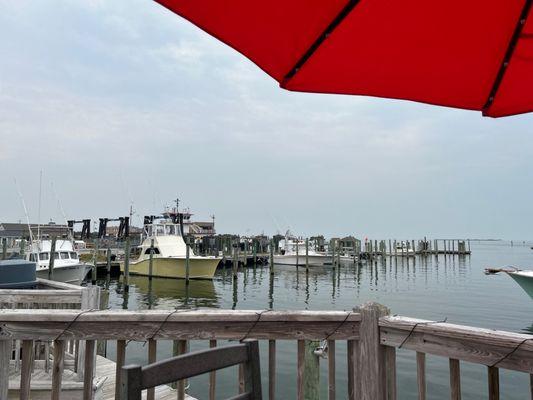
[(162, 229)]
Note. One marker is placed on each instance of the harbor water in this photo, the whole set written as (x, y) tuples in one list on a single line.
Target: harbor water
[(436, 288)]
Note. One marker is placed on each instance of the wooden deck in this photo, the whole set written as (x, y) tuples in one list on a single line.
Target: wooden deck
[(72, 389), (105, 369)]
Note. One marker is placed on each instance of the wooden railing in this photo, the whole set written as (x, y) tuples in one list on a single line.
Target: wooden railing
[(372, 338)]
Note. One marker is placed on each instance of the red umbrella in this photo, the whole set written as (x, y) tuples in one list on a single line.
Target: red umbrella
[(471, 54)]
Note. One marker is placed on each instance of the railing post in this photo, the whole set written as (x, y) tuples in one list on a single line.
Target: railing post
[(271, 369), (90, 300), (6, 349), (25, 369), (372, 353)]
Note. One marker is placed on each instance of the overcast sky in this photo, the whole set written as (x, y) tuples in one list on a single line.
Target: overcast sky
[(121, 102)]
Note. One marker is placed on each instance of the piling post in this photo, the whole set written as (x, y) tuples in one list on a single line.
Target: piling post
[(311, 373), (52, 259), (254, 244), (4, 248), (235, 263), (395, 249), (413, 244), (338, 243), (332, 245), (468, 241), (95, 263), (187, 257), (297, 253), (151, 260), (108, 259), (22, 247), (127, 265), (372, 353), (307, 254), (271, 257)]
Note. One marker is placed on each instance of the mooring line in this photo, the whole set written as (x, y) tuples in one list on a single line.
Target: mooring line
[(338, 326), (254, 324), (73, 321), (419, 324), (511, 352)]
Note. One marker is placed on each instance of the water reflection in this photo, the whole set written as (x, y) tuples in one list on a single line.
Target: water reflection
[(172, 293)]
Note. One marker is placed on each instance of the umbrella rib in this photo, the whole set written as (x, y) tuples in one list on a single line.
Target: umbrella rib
[(323, 36), (508, 55)]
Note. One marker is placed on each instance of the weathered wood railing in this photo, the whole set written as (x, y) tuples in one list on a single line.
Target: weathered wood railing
[(372, 339)]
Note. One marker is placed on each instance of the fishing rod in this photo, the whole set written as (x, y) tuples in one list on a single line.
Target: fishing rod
[(27, 216)]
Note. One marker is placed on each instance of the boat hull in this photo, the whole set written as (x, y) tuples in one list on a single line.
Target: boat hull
[(73, 274), (175, 267), (525, 281)]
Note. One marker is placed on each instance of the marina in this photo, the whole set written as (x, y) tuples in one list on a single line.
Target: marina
[(399, 282), (346, 221)]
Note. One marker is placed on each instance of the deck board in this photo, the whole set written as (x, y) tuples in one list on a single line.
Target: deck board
[(105, 369), (105, 373)]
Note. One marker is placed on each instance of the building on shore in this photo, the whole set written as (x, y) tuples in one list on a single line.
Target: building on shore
[(13, 231)]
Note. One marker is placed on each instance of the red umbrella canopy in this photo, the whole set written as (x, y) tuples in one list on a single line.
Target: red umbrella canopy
[(470, 54)]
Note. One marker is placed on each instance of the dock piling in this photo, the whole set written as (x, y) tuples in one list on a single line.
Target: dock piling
[(151, 260), (127, 265), (271, 257), (187, 257), (108, 260), (52, 259), (4, 248), (307, 254), (95, 261)]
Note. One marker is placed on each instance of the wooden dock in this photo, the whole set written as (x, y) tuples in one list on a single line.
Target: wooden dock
[(106, 370)]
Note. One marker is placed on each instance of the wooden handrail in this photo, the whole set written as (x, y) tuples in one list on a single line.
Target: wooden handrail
[(183, 325), (502, 349), (372, 339)]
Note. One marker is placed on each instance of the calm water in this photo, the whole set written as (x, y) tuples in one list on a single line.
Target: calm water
[(448, 287)]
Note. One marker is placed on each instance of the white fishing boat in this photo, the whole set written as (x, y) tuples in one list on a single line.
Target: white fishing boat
[(169, 254), (404, 249), (67, 266), (293, 252)]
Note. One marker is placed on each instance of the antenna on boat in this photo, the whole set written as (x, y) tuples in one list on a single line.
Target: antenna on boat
[(39, 208), (25, 210)]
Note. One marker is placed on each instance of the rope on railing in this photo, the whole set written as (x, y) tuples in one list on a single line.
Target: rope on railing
[(163, 323), (338, 326), (74, 320), (511, 352), (419, 324), (259, 314)]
